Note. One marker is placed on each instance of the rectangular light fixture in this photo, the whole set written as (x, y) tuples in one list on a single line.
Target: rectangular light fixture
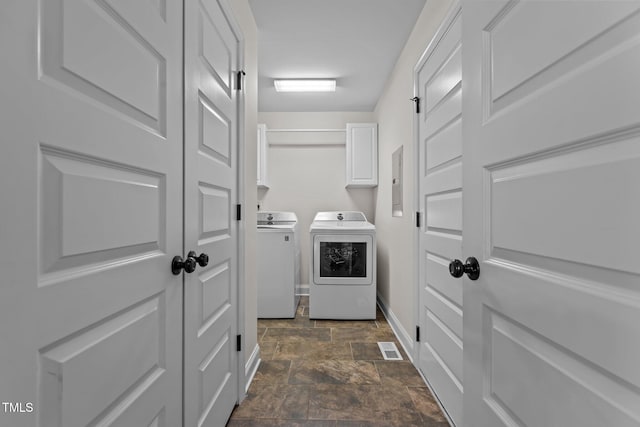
[(305, 85)]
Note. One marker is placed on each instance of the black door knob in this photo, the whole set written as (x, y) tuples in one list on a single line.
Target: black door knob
[(456, 268), (178, 264), (202, 259), (471, 267)]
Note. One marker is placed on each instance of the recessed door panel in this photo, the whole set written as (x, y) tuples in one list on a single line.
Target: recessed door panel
[(444, 146), (520, 359), (130, 72), (214, 370), (216, 52), (216, 294), (445, 343), (446, 112), (215, 209), (579, 23), (441, 282), (444, 81), (449, 313), (94, 207), (446, 177), (215, 132), (531, 213), (444, 211), (68, 366)]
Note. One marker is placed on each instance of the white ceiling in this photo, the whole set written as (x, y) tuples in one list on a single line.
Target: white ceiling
[(357, 42)]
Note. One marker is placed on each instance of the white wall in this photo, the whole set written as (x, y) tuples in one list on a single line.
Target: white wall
[(244, 17), (306, 179), (394, 114)]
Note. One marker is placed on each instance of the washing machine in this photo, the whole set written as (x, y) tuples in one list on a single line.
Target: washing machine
[(342, 270), (278, 259)]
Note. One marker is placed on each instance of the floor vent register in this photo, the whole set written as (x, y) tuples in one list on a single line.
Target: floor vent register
[(389, 351)]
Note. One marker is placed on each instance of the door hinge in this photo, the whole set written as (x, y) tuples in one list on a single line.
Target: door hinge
[(418, 219), (417, 333), (238, 342), (417, 101), (238, 212), (239, 79)]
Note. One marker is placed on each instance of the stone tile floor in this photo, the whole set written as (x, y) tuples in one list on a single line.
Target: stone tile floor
[(330, 373)]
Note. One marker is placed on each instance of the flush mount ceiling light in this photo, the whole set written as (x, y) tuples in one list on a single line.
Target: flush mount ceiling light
[(305, 85)]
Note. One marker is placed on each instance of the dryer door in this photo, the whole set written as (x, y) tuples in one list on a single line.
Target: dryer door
[(342, 260)]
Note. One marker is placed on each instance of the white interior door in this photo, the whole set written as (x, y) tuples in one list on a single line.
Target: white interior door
[(439, 88), (211, 165), (91, 212), (552, 176)]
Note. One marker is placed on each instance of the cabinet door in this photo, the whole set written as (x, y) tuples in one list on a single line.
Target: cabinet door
[(362, 154), (263, 146)]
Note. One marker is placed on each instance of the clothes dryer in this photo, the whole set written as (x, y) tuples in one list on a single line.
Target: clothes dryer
[(342, 270)]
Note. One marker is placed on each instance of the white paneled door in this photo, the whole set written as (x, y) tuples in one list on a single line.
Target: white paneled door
[(211, 228), (551, 136), (91, 213), (439, 89)]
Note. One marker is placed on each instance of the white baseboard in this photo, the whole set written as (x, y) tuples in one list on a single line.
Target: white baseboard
[(406, 340), (251, 367)]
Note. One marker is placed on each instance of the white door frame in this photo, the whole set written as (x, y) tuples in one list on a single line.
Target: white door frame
[(242, 223), (449, 16)]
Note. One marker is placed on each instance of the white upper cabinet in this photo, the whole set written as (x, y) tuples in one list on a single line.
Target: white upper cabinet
[(263, 146), (362, 155)]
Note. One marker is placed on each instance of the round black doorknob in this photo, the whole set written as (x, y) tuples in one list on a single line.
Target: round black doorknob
[(202, 259), (456, 268), (471, 267), (178, 264)]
